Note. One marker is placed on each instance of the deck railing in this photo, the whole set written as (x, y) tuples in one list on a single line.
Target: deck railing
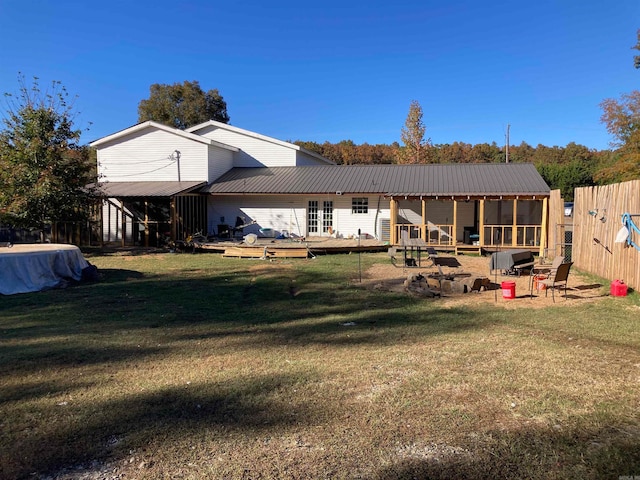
[(502, 235), (431, 233)]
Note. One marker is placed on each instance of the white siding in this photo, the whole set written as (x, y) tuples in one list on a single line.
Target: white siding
[(304, 159), (278, 212), (255, 152), (149, 155), (289, 213), (258, 151), (347, 223), (220, 161)]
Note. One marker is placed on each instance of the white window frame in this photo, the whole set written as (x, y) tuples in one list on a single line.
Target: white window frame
[(359, 205)]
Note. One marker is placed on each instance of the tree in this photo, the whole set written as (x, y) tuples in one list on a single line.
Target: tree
[(182, 105), (43, 169), (412, 135), (636, 58), (622, 119)]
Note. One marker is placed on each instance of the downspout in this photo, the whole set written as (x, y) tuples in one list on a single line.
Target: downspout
[(375, 221)]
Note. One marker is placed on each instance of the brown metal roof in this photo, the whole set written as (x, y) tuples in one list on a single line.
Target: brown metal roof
[(146, 189), (409, 180)]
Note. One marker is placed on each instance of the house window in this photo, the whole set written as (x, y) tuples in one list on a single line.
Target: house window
[(360, 205)]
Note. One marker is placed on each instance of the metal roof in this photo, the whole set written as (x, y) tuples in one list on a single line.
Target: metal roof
[(146, 189), (395, 180)]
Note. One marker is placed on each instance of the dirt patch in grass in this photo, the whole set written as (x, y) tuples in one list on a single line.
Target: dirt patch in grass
[(387, 277)]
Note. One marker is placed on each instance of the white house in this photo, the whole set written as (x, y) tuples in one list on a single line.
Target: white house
[(159, 181)]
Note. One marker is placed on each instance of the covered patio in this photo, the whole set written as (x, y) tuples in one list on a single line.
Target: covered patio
[(471, 223)]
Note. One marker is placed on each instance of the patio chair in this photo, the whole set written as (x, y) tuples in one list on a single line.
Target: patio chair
[(541, 271), (557, 279)]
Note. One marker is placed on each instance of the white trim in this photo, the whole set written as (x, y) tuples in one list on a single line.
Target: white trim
[(248, 133), (165, 128)]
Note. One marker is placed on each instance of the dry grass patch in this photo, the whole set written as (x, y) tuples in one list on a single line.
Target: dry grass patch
[(194, 366)]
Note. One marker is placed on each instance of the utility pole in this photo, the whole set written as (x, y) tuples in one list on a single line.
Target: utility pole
[(507, 144)]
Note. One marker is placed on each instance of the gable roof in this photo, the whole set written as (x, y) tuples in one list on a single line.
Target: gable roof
[(159, 126), (248, 133), (394, 180)]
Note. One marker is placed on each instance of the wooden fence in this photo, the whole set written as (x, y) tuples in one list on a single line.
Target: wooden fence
[(597, 219), (556, 229)]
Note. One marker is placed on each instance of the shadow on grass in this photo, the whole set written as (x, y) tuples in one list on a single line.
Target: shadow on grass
[(111, 429), (535, 453), (294, 305)]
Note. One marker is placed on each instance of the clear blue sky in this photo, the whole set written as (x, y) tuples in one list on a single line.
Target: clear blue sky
[(336, 70)]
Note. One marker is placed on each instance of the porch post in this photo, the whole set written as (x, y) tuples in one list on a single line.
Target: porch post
[(543, 230), (481, 223), (425, 230), (454, 238), (123, 223), (173, 219), (146, 222), (393, 211), (514, 228), (101, 224)]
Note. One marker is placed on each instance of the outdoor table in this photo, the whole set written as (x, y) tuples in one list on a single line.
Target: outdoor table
[(509, 260), (413, 244), (33, 267)]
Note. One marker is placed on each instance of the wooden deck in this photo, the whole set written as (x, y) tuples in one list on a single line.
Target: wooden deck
[(289, 248)]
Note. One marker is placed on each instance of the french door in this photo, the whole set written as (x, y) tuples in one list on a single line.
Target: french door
[(320, 218)]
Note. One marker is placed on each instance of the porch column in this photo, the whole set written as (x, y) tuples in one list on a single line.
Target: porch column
[(173, 219), (123, 223), (455, 222), (514, 228), (481, 223), (101, 224), (543, 230), (146, 222), (425, 229), (393, 212)]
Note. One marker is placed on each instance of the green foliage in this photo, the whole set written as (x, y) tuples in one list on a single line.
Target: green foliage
[(182, 105), (43, 169), (566, 176)]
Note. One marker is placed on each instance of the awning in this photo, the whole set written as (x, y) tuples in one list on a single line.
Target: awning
[(145, 189)]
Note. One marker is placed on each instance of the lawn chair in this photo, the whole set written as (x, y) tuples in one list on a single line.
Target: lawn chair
[(557, 279)]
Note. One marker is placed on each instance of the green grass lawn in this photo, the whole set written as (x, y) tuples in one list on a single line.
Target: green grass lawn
[(195, 366)]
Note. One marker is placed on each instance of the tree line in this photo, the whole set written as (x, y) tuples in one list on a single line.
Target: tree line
[(45, 173)]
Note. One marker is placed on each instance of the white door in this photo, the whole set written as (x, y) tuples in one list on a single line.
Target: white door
[(320, 218)]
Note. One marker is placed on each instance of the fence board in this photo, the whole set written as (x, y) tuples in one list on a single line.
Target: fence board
[(556, 224), (596, 221)]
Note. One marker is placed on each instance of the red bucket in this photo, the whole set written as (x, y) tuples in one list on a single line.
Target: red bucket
[(509, 290), (537, 284), (618, 288)]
